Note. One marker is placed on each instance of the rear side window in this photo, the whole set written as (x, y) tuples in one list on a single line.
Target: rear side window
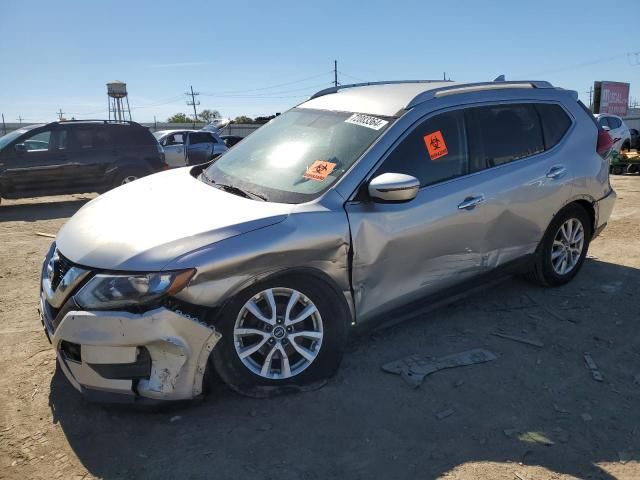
[(200, 137), (436, 150), (500, 134), (555, 123), (136, 136), (603, 122)]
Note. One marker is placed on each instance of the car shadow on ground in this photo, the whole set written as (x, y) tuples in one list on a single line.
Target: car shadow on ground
[(537, 406), (31, 212)]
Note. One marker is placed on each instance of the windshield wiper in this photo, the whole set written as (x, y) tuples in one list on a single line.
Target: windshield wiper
[(232, 189), (239, 191)]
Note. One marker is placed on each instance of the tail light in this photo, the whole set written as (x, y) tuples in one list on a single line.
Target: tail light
[(605, 143)]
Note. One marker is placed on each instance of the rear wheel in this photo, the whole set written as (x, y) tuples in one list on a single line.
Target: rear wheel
[(617, 170), (563, 248), (127, 176), (289, 332)]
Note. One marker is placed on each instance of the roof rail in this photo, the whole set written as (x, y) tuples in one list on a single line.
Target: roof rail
[(96, 120), (475, 87), (329, 90)]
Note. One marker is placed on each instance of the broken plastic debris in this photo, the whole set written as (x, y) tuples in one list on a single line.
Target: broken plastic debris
[(591, 365), (445, 413), (536, 437), (534, 343), (414, 368)]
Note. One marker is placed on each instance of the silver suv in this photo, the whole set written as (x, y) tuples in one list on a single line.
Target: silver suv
[(364, 202)]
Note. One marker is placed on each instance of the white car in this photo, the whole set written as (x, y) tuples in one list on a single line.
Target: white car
[(203, 145), (617, 129)]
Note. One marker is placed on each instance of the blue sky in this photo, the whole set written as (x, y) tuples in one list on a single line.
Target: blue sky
[(258, 57)]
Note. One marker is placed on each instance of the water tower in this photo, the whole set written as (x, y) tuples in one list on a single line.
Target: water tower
[(117, 95)]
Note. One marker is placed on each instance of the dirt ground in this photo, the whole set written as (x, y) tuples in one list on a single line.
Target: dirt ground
[(534, 413)]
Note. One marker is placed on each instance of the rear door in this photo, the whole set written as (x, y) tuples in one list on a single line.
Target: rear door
[(524, 167), (199, 147), (39, 165), (92, 149)]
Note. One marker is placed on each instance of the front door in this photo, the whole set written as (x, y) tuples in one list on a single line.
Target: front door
[(37, 164), (173, 146), (403, 251)]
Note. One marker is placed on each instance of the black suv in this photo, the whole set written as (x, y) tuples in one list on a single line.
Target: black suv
[(76, 156)]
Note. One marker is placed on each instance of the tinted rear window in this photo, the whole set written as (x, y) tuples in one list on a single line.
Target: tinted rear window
[(200, 137), (500, 134), (133, 135), (555, 123)]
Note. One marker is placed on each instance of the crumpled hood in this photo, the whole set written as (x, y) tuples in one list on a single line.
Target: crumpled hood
[(145, 224)]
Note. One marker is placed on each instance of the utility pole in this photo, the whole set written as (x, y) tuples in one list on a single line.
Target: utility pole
[(60, 113), (591, 98), (4, 126), (19, 119), (335, 73), (193, 102)]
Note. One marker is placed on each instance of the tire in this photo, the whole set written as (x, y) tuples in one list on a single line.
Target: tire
[(626, 147), (127, 175), (543, 271), (631, 168), (248, 376), (617, 170)]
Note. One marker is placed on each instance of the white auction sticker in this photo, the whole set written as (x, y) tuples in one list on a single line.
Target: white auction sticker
[(366, 121)]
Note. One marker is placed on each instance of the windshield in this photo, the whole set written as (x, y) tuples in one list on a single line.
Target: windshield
[(10, 137), (297, 155)]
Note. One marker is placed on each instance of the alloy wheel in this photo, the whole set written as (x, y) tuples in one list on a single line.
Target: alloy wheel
[(567, 246), (128, 179), (278, 333)]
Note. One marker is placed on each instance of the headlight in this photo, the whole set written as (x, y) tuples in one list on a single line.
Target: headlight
[(105, 291)]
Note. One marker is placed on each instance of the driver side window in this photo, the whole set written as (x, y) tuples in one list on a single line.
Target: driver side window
[(38, 142), (49, 140), (173, 139), (435, 151)]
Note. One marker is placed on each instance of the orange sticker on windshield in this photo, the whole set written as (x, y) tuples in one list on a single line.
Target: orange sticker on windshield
[(319, 170), (435, 145)]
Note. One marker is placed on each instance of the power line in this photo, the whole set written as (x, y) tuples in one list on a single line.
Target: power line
[(269, 87), (266, 94), (193, 102), (353, 77)]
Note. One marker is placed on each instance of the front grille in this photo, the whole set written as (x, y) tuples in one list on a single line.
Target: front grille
[(61, 268)]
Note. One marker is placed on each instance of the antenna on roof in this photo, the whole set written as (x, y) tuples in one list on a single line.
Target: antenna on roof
[(499, 78)]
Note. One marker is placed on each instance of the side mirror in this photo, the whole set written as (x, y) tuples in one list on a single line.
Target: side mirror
[(394, 187), (20, 147), (604, 127)]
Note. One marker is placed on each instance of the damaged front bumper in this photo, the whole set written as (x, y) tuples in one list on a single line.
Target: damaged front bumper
[(118, 356)]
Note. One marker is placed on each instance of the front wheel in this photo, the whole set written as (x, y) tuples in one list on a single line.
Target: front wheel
[(563, 248), (617, 170), (289, 332)]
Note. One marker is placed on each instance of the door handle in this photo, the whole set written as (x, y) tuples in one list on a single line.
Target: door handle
[(470, 203), (556, 171)]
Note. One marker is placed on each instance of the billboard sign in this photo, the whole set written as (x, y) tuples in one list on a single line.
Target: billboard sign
[(611, 97)]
